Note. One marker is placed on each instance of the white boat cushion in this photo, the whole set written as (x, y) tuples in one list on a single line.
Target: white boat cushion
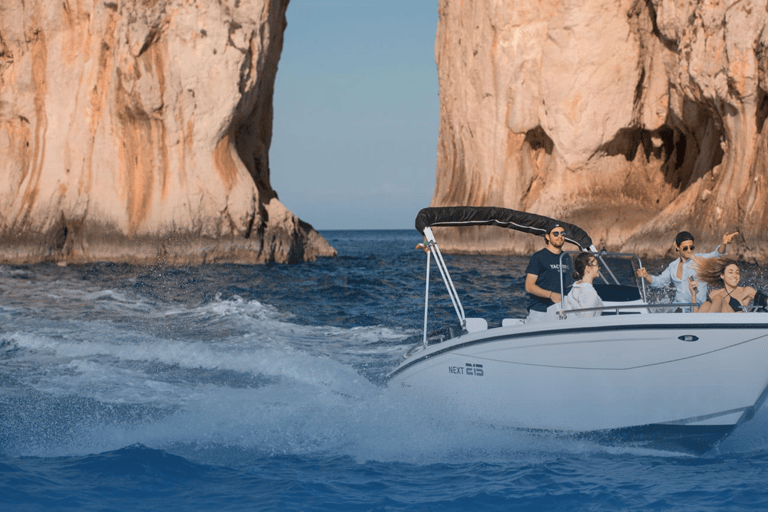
[(476, 324)]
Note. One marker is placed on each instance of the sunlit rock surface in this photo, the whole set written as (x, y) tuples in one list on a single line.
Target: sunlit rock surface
[(138, 131), (632, 119)]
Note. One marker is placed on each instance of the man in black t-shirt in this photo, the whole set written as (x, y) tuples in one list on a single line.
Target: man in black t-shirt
[(542, 279)]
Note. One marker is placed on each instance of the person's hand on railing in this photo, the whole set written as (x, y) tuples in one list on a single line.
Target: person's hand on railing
[(642, 272)]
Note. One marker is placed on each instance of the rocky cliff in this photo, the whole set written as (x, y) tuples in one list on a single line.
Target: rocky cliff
[(631, 118), (138, 131)]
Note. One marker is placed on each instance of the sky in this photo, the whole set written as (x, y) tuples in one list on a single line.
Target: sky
[(356, 113)]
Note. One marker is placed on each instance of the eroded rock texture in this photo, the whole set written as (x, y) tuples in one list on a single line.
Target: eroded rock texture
[(138, 131), (631, 118)]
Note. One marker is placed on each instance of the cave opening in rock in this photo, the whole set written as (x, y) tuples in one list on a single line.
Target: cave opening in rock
[(762, 109), (538, 139), (694, 145), (626, 143), (685, 150)]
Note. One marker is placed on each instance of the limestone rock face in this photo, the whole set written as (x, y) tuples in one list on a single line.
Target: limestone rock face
[(139, 130), (633, 119)]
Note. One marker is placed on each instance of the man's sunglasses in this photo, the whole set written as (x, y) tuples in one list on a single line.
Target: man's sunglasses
[(688, 248), (558, 233)]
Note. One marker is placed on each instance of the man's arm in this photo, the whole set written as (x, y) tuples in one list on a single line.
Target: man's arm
[(534, 289), (658, 281), (727, 238)]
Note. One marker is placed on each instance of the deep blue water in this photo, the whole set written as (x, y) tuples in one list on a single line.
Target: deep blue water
[(262, 388)]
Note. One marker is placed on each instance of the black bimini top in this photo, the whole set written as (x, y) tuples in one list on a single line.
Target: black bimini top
[(459, 216)]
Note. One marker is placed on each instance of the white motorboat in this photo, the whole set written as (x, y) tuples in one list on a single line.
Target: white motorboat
[(637, 373)]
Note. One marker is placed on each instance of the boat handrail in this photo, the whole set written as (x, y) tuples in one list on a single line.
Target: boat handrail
[(616, 307)]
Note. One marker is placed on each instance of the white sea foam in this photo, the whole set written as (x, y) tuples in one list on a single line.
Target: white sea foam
[(304, 402), (312, 406), (249, 354)]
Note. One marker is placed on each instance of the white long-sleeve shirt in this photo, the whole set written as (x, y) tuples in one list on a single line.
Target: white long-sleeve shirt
[(582, 295)]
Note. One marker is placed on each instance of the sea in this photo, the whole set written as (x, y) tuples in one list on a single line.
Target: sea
[(248, 388)]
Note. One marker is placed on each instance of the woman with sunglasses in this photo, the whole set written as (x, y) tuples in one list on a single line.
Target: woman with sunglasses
[(722, 272), (681, 269), (583, 293)]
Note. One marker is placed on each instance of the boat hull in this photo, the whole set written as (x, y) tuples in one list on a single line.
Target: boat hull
[(677, 381)]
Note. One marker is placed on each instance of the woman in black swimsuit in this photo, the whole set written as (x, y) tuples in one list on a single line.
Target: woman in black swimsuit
[(722, 272)]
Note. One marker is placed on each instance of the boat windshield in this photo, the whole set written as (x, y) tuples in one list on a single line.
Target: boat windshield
[(617, 281)]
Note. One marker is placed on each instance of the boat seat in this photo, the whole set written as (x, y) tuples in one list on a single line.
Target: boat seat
[(476, 324), (509, 322)]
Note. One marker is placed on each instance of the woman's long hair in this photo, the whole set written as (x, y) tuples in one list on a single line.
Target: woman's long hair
[(709, 270)]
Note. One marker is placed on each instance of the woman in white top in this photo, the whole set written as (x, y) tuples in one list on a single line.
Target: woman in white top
[(583, 294)]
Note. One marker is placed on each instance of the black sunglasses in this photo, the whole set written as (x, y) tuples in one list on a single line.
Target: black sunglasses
[(688, 248), (558, 233)]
